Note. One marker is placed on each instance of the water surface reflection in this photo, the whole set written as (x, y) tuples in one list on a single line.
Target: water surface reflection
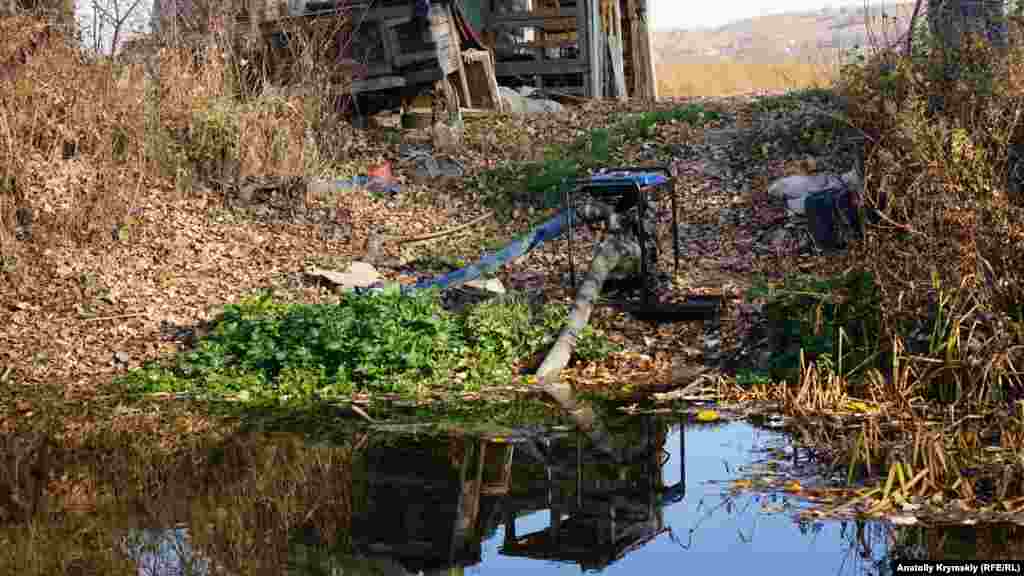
[(541, 499)]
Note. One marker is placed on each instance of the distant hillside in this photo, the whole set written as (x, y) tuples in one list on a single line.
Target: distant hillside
[(783, 37)]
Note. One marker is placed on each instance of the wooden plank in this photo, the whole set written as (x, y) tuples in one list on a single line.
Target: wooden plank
[(615, 47), (583, 35), (479, 68), (551, 43), (618, 76), (634, 47), (425, 76), (438, 53), (594, 49), (359, 13), (560, 23), (455, 52), (531, 68), (645, 64), (381, 83)]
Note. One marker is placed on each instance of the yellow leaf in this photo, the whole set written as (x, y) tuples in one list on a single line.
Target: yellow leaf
[(858, 406), (792, 486), (707, 416), (742, 484)]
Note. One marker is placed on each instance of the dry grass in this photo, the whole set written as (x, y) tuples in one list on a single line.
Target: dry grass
[(724, 77), (81, 136), (941, 418)]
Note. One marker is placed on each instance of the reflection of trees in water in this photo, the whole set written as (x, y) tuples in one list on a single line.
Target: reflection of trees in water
[(234, 502), (243, 503)]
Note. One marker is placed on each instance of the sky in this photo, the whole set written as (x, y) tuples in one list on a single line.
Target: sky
[(673, 14)]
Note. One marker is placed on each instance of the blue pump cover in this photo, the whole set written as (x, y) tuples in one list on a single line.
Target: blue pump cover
[(642, 179)]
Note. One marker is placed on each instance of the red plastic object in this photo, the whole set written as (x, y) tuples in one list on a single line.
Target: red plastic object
[(381, 171)]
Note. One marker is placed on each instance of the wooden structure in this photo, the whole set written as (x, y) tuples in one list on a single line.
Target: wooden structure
[(594, 48)]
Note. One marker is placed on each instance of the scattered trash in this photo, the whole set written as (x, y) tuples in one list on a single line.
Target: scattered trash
[(358, 275), (378, 180), (796, 189), (427, 165), (490, 284), (519, 103), (825, 205)]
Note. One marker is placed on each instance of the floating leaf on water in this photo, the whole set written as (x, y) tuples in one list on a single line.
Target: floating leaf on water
[(707, 416), (792, 486), (742, 485)]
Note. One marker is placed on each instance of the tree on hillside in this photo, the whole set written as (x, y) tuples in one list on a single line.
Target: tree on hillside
[(107, 22)]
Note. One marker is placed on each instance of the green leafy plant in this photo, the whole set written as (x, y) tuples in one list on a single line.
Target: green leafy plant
[(265, 350), (379, 342)]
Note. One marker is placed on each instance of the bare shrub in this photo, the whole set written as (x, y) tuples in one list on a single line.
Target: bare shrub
[(948, 237)]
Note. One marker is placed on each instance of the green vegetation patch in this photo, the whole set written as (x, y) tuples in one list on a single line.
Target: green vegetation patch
[(261, 350)]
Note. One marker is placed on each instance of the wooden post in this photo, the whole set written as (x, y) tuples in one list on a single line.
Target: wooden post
[(615, 46), (254, 20), (645, 85), (594, 49), (456, 45)]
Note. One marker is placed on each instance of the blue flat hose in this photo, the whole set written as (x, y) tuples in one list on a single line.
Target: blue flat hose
[(549, 230)]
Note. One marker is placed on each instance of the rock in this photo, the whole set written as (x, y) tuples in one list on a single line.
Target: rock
[(121, 357), (358, 275)]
